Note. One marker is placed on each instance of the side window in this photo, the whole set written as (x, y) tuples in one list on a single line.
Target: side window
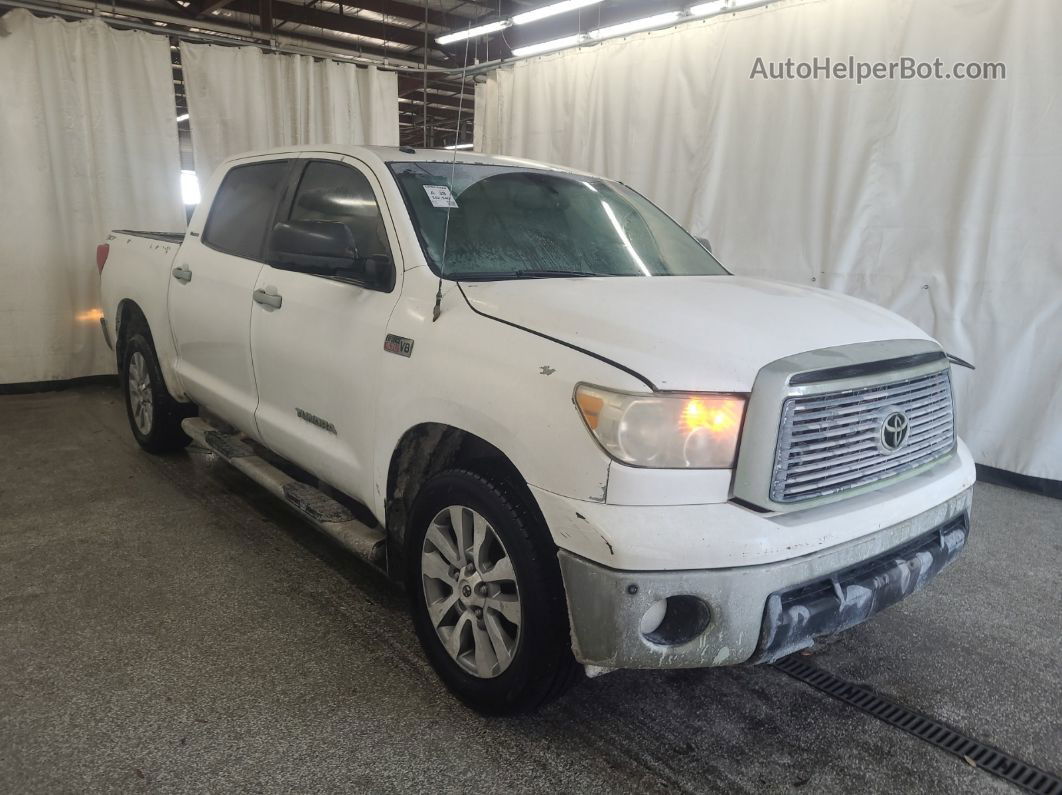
[(242, 208), (330, 191)]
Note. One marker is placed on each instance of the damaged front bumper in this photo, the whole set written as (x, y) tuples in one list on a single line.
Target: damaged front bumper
[(756, 613)]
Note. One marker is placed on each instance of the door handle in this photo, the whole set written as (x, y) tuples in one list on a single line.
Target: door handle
[(268, 299), (182, 274)]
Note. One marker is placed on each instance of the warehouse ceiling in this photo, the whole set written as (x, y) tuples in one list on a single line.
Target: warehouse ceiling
[(435, 101)]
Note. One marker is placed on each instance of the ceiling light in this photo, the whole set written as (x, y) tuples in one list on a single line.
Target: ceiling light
[(183, 117), (548, 46), (472, 33), (635, 25), (706, 9), (459, 146), (552, 10)]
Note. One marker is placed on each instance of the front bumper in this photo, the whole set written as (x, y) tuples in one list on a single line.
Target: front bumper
[(761, 613)]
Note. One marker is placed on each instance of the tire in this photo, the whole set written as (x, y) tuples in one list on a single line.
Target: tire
[(529, 667), (154, 416)]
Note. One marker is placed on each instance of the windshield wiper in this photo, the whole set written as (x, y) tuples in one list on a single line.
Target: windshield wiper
[(550, 274), (527, 273)]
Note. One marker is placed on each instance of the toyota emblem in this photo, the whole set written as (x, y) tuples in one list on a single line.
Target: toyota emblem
[(894, 431)]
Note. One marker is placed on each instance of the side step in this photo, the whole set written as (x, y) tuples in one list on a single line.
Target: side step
[(324, 513)]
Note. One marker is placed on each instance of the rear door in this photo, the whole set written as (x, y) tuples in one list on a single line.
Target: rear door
[(211, 288), (317, 353)]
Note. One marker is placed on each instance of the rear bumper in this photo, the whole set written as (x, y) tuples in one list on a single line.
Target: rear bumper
[(761, 613)]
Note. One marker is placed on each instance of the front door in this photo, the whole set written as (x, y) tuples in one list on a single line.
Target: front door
[(317, 341), (211, 288)]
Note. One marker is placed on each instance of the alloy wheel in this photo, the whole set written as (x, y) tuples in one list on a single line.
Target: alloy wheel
[(471, 591), (140, 397)]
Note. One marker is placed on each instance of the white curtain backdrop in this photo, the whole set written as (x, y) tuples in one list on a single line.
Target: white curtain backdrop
[(88, 142), (241, 98), (940, 199)]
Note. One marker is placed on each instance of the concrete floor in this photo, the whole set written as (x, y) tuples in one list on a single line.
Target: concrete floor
[(166, 626)]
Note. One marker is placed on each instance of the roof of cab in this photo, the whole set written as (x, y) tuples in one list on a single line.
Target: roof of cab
[(395, 154)]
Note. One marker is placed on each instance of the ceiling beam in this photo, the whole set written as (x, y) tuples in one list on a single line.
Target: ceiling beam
[(417, 122), (209, 6), (305, 15), (354, 48), (408, 11), (416, 112), (442, 99), (338, 46), (504, 7), (407, 85), (176, 27), (407, 127), (182, 10)]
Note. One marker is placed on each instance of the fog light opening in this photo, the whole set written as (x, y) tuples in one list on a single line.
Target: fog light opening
[(675, 620)]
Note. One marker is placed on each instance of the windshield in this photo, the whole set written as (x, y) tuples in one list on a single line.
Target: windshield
[(507, 223)]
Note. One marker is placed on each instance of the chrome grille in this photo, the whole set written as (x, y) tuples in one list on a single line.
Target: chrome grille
[(831, 442)]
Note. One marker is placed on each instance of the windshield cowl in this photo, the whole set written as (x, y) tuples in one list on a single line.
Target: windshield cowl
[(527, 274)]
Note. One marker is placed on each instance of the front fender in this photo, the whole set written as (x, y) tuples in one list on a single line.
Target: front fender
[(507, 386)]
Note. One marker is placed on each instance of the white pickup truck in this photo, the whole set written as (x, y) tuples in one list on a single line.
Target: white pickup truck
[(534, 399)]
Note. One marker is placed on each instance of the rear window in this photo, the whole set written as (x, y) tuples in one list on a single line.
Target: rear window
[(243, 207)]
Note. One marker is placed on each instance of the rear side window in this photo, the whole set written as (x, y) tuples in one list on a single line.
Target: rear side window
[(331, 191), (243, 207)]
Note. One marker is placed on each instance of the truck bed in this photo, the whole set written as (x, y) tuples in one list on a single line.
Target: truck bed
[(138, 269)]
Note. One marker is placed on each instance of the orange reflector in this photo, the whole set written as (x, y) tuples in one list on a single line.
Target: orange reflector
[(590, 406)]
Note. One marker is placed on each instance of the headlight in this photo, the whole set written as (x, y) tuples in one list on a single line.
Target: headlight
[(664, 430)]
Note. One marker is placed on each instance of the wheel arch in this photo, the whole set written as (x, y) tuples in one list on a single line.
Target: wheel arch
[(126, 318), (425, 450), (129, 317)]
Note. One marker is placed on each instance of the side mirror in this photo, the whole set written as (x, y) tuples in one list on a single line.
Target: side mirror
[(321, 247), (374, 271), (706, 243), (327, 248)]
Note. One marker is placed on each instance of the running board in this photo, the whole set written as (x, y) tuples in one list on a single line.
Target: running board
[(320, 510)]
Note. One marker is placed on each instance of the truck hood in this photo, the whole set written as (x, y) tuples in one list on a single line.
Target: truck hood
[(710, 333)]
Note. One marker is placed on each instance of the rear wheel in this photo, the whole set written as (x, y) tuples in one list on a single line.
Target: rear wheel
[(488, 603), (154, 416)]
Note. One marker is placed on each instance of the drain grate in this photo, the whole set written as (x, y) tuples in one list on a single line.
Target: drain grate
[(985, 757)]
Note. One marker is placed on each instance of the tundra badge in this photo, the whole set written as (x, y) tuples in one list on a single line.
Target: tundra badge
[(313, 419)]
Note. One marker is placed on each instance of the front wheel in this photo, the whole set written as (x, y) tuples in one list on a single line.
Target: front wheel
[(154, 416), (488, 603)]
